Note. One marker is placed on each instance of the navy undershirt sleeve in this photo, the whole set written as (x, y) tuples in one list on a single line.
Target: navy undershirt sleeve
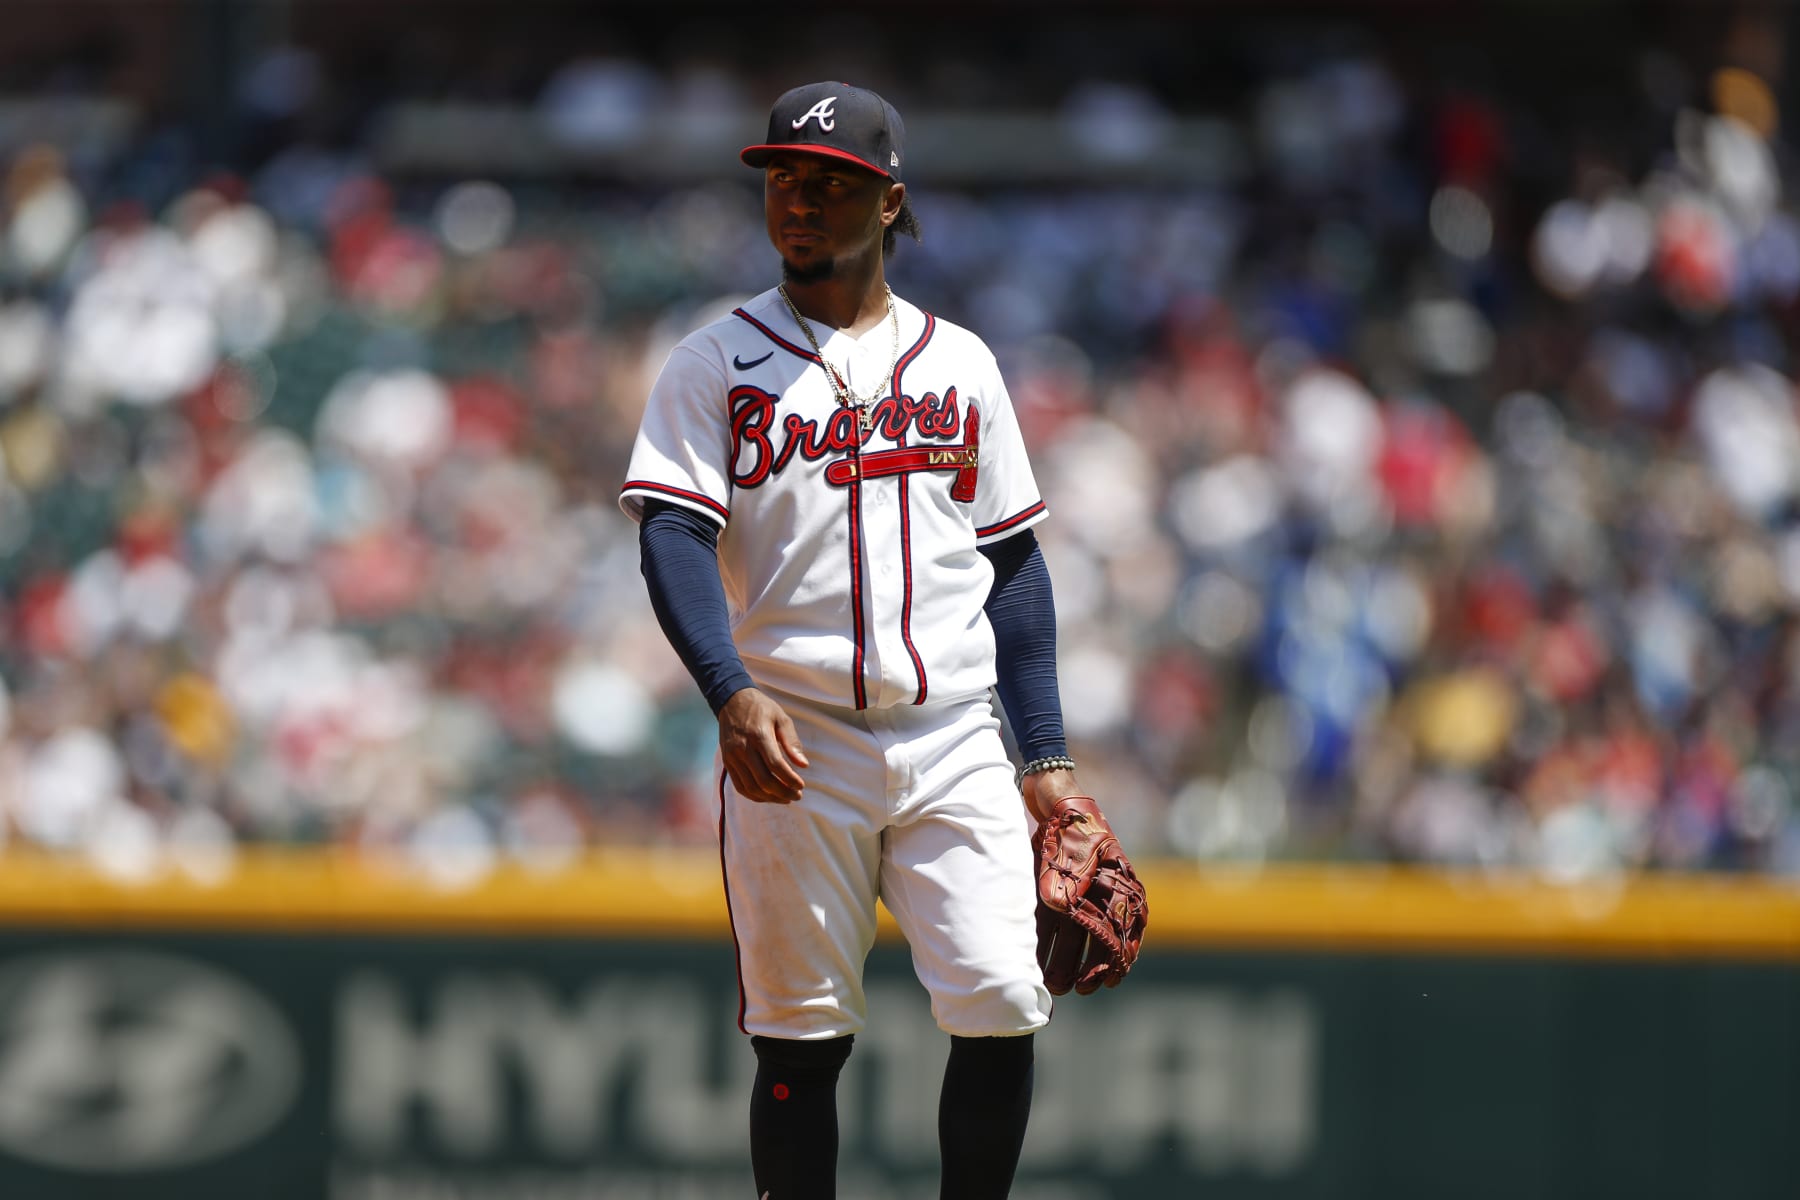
[(679, 555), (1022, 611)]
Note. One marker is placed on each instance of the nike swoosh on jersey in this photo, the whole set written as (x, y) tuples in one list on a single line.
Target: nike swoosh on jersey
[(741, 365)]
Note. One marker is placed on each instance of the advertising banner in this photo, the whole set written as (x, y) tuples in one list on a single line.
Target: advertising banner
[(314, 1066)]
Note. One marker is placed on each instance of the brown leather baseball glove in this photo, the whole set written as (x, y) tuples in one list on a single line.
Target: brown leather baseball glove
[(1091, 907)]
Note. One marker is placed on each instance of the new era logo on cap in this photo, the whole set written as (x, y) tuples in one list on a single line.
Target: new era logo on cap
[(839, 120)]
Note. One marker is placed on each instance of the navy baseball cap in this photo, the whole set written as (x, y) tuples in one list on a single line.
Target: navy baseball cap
[(838, 120)]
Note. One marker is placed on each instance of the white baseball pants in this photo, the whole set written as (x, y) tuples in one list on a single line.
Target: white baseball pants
[(916, 805)]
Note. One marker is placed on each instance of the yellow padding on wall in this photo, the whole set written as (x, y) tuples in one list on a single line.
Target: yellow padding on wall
[(677, 893)]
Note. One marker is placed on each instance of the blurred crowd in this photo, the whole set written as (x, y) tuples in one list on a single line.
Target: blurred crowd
[(1428, 490)]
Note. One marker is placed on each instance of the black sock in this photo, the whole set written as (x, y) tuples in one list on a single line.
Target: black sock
[(793, 1117), (982, 1114)]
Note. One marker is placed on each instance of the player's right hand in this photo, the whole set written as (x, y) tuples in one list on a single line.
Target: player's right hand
[(761, 748)]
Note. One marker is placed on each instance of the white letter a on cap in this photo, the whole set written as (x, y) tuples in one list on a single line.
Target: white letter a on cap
[(823, 111)]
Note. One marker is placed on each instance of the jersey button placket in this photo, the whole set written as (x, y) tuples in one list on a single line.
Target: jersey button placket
[(871, 644), (887, 596)]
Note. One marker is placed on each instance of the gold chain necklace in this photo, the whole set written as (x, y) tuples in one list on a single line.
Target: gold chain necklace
[(839, 385)]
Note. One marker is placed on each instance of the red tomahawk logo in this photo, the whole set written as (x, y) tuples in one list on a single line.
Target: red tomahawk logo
[(963, 459)]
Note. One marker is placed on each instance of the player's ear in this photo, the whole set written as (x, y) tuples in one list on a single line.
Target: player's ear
[(891, 202)]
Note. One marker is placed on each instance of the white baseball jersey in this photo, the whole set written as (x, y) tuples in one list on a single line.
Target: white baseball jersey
[(848, 554)]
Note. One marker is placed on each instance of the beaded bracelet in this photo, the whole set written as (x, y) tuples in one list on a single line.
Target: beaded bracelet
[(1053, 762)]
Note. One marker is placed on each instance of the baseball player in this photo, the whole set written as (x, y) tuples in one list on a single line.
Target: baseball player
[(835, 514)]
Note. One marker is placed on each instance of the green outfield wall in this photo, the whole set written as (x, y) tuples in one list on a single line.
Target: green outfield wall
[(326, 1029)]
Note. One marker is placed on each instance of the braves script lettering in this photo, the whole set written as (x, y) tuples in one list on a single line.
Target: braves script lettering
[(762, 447)]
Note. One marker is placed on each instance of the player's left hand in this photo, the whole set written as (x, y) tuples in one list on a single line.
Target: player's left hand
[(1045, 788)]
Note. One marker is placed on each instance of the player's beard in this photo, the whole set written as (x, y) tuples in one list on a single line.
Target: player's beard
[(816, 272)]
